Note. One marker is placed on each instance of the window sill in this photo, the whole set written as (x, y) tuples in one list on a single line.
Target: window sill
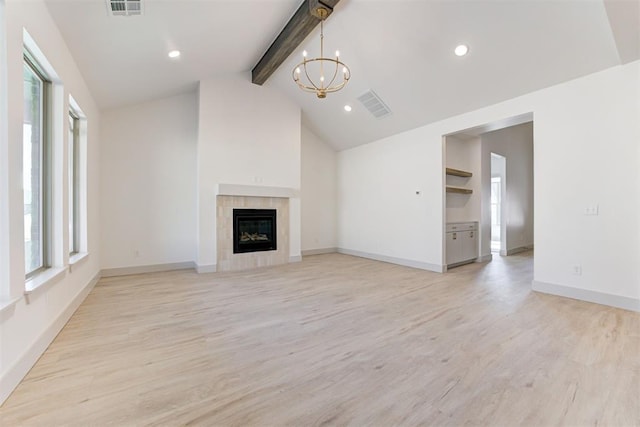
[(43, 280), (8, 305), (77, 259)]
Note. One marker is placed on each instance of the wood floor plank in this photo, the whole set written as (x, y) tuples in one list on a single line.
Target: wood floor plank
[(336, 340)]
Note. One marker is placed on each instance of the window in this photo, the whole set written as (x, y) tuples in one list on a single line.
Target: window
[(74, 183), (36, 180), (77, 187)]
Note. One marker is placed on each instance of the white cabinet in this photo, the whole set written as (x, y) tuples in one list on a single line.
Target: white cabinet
[(454, 247), (461, 243)]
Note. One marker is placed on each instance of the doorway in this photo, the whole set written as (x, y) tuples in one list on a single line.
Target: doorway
[(498, 190), (497, 193)]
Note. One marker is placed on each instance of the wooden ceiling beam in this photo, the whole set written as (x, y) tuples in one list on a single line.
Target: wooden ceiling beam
[(297, 29)]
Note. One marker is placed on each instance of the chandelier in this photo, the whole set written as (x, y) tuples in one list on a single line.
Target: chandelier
[(329, 77)]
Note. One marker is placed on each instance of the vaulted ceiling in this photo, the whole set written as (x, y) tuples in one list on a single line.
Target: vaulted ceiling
[(401, 49)]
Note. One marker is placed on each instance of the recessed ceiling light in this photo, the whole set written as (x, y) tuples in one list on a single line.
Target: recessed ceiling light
[(347, 108), (174, 54), (461, 50)]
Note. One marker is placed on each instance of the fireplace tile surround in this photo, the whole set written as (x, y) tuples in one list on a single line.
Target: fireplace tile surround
[(226, 259)]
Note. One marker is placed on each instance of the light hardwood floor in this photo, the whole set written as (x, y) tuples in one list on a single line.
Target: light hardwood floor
[(336, 340)]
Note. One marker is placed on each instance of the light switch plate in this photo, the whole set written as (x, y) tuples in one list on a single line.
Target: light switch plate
[(591, 210)]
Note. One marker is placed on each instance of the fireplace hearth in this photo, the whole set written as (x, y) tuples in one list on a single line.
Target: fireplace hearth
[(254, 230)]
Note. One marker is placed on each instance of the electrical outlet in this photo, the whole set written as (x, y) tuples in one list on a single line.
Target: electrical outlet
[(577, 270), (591, 210)]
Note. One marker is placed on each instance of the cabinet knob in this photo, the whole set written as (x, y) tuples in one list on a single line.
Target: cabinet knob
[(472, 234), (455, 236)]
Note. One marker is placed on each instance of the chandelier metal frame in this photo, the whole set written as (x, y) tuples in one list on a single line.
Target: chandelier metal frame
[(323, 88)]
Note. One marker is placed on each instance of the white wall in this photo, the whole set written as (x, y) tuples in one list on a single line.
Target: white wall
[(148, 193), (247, 135), (379, 213), (463, 155), (586, 152), (4, 167), (318, 194), (28, 326), (515, 143)]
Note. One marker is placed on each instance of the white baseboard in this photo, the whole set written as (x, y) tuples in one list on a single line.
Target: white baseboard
[(319, 251), (295, 258), (400, 261), (617, 301), (10, 380), (485, 258), (126, 271), (517, 250), (206, 268)]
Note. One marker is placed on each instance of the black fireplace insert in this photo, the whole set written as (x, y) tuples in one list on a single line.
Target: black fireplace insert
[(254, 230)]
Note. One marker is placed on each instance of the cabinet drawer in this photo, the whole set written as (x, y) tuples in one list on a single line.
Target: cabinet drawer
[(461, 226)]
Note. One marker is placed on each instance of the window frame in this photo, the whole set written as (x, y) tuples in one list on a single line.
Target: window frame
[(74, 182), (45, 160)]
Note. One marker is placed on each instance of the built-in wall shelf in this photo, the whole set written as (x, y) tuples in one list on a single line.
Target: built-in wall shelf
[(458, 190), (458, 172)]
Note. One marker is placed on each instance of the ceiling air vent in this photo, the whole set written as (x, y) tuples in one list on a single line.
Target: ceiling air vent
[(125, 7), (374, 104)]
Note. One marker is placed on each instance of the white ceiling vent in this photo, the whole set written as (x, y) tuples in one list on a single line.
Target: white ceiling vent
[(124, 7), (374, 104)]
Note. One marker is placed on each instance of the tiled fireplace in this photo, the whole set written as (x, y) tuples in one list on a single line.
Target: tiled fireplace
[(257, 243)]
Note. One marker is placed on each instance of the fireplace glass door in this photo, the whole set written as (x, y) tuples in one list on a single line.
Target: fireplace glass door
[(254, 230)]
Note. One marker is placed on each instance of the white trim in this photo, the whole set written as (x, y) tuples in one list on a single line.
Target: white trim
[(5, 283), (8, 305), (518, 250), (611, 300), (256, 191), (400, 261), (76, 260), (295, 258), (12, 377), (76, 108), (485, 258), (206, 268), (322, 251), (39, 56), (458, 264), (141, 269), (44, 279)]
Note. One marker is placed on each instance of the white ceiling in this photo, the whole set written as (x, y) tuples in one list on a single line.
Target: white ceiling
[(402, 49)]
